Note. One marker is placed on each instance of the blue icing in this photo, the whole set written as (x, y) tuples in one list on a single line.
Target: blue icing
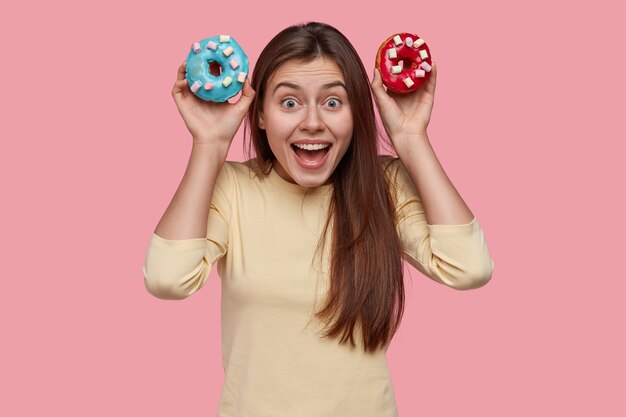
[(198, 69)]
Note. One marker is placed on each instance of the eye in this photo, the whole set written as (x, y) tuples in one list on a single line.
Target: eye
[(289, 103), (333, 103)]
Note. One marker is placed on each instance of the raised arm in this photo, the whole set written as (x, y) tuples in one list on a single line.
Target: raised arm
[(212, 127), (405, 118), (441, 236), (192, 232)]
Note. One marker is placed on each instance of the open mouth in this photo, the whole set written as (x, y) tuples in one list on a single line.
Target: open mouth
[(311, 154)]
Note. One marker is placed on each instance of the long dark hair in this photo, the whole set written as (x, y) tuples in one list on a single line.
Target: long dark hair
[(366, 291)]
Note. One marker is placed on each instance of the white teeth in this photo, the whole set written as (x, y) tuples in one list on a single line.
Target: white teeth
[(312, 147)]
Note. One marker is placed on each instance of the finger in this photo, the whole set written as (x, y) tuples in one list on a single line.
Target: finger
[(180, 86), (247, 95), (376, 80), (380, 95), (432, 81), (182, 71)]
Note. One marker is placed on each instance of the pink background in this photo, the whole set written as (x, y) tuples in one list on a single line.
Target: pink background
[(527, 125)]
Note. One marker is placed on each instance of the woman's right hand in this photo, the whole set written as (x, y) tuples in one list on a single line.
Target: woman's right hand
[(210, 122)]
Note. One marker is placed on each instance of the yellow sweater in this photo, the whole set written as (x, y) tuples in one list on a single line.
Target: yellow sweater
[(263, 232)]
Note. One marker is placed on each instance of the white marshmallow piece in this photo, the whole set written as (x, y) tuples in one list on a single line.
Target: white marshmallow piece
[(241, 77), (224, 38), (408, 82), (227, 81), (423, 54), (393, 53), (396, 69), (211, 45), (425, 66), (208, 86), (397, 40), (234, 64), (196, 86), (196, 47), (420, 73), (409, 41), (418, 43), (228, 51)]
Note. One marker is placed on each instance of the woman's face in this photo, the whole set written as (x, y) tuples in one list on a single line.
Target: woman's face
[(307, 117)]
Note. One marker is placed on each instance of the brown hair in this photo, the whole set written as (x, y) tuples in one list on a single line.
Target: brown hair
[(366, 285)]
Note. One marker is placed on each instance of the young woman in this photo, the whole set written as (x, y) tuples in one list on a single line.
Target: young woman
[(309, 235)]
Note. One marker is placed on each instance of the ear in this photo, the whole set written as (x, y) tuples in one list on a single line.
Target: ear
[(261, 122)]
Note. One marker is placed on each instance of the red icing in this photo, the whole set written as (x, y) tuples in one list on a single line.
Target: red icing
[(411, 57)]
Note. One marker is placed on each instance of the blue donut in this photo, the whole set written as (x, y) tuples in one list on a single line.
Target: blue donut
[(208, 56)]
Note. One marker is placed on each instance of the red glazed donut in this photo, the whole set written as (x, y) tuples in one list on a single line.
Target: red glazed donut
[(404, 62)]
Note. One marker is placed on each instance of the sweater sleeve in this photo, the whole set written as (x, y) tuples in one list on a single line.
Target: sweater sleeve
[(175, 269), (455, 255)]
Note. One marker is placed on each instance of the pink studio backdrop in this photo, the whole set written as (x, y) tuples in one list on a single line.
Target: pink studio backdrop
[(528, 124)]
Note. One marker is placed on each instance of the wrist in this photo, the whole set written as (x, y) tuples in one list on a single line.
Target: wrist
[(408, 140), (216, 150), (412, 136)]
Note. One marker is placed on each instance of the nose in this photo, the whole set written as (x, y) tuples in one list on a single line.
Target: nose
[(312, 121)]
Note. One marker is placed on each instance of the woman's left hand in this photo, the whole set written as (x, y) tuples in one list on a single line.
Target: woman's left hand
[(405, 116)]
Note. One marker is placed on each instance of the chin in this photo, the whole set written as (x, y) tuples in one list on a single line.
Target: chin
[(311, 180)]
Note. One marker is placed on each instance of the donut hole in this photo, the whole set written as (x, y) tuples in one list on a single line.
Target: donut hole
[(215, 69), (408, 64)]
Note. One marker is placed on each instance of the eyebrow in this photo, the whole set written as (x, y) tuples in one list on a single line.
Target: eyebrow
[(297, 87)]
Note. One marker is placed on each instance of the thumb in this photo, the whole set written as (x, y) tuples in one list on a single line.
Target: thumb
[(247, 96), (380, 94), (432, 81)]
